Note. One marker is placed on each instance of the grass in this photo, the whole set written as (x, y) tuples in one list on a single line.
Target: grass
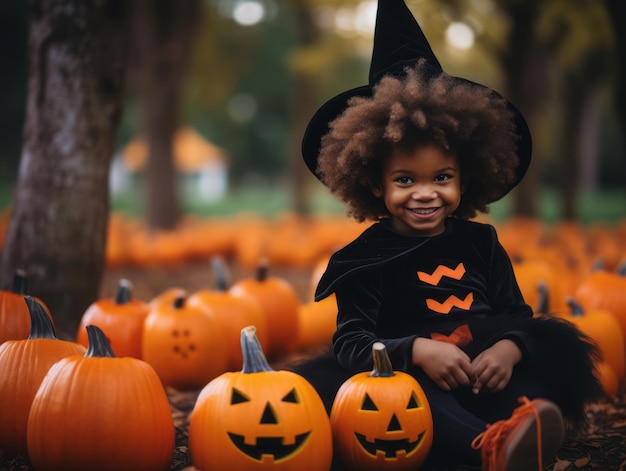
[(605, 206)]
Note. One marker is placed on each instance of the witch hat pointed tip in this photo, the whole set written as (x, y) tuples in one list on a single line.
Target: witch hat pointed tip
[(398, 41)]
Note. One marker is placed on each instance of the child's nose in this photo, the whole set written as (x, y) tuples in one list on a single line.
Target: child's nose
[(423, 191)]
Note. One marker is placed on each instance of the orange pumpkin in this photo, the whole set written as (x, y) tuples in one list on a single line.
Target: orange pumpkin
[(23, 365), (381, 420), (317, 322), (167, 297), (14, 313), (280, 304), (114, 414), (536, 279), (232, 312), (604, 329), (120, 318), (259, 418), (316, 274), (605, 290), (608, 379), (184, 344)]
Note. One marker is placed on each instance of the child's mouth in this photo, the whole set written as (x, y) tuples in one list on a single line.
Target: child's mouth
[(423, 211)]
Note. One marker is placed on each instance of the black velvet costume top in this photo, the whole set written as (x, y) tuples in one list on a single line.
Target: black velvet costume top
[(393, 288)]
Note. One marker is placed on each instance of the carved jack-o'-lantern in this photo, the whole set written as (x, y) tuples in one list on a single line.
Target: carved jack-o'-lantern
[(259, 418), (381, 420)]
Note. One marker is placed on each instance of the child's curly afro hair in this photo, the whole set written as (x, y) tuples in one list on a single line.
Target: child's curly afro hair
[(405, 112)]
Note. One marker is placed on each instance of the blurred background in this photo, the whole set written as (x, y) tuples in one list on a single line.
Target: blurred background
[(251, 72)]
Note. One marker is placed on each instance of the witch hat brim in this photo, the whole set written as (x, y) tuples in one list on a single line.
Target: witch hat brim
[(399, 42)]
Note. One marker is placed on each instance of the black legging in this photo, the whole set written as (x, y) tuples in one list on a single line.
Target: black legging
[(460, 415)]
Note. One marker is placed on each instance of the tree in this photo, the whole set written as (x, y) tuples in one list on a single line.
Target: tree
[(57, 228), (617, 14), (162, 37), (304, 99), (524, 67), (579, 37)]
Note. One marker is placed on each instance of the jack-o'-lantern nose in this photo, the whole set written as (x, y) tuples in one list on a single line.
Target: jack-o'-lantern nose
[(394, 424), (268, 416)]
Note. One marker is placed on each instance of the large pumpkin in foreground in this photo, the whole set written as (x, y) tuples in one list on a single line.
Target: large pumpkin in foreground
[(381, 420), (259, 418), (100, 413)]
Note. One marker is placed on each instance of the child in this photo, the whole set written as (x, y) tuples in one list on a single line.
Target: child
[(422, 152)]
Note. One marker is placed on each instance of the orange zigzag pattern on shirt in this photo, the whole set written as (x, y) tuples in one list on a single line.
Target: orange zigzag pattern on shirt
[(448, 304), (440, 272)]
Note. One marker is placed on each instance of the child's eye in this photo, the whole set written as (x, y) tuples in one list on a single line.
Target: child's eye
[(443, 177), (404, 180)]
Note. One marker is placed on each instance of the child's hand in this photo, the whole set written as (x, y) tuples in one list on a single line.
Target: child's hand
[(446, 364), (494, 366)]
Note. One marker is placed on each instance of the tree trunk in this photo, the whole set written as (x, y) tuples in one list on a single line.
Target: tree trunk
[(57, 230), (575, 98), (164, 31), (617, 13), (303, 103), (521, 65)]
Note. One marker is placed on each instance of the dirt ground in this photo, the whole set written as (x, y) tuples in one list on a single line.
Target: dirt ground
[(601, 448)]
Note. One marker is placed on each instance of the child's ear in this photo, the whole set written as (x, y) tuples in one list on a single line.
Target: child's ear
[(377, 190)]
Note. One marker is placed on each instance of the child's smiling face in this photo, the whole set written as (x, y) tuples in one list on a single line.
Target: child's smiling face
[(420, 188)]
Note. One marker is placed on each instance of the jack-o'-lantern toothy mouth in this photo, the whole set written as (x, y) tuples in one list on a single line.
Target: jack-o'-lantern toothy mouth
[(389, 447), (269, 446)]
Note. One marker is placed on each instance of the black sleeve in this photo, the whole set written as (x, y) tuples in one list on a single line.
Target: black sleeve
[(358, 302)]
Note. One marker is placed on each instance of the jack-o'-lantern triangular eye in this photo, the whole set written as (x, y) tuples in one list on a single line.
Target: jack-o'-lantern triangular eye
[(368, 404), (412, 402), (291, 396), (237, 397)]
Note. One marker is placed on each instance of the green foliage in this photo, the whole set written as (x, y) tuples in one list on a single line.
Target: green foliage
[(580, 34)]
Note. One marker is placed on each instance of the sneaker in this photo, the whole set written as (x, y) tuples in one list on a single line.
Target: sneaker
[(524, 442)]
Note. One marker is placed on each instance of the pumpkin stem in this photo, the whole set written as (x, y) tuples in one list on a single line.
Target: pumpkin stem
[(124, 292), (19, 282), (99, 345), (382, 363), (41, 326), (598, 265), (179, 302), (576, 308), (262, 270), (221, 274), (254, 360), (544, 298)]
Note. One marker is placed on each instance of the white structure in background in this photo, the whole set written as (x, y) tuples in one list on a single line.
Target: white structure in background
[(201, 166)]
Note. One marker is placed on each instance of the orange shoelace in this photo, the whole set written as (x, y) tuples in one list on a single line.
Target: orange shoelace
[(491, 439)]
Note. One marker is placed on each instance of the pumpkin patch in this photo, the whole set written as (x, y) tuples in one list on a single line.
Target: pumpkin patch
[(572, 252)]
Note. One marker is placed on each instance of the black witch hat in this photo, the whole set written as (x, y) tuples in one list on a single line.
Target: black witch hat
[(399, 42)]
